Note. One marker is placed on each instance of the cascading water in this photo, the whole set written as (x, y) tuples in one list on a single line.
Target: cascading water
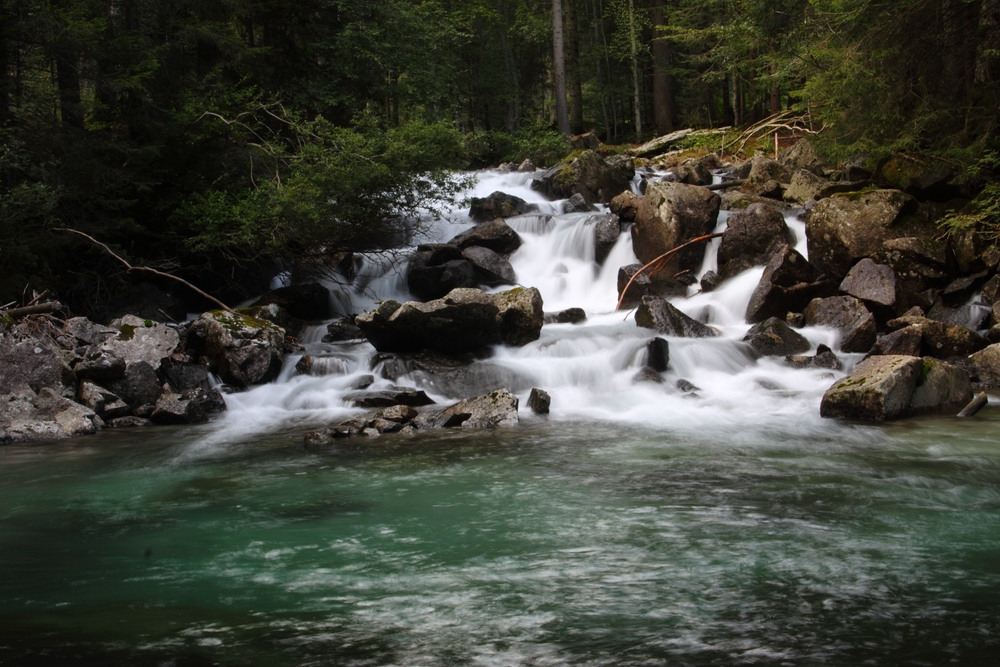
[(587, 368)]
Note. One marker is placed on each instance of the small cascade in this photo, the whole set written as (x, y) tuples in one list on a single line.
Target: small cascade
[(712, 385)]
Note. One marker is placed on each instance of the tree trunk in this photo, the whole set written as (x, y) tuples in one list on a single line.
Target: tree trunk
[(663, 98), (559, 68), (573, 69), (775, 99), (635, 71), (987, 62), (6, 20), (67, 60)]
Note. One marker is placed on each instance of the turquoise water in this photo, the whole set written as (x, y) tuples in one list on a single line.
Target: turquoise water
[(549, 544)]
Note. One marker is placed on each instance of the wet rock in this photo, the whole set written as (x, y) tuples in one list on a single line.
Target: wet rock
[(660, 315), (647, 375), (765, 178), (849, 316), (494, 410), (526, 167), (671, 214), (434, 272), (388, 398), (925, 179), (242, 350), (788, 284), (693, 171), (795, 320), (626, 205), (590, 175), (363, 382), (805, 186), (343, 329), (489, 267), (658, 354), (907, 341), (98, 364), (86, 332), (878, 389), (801, 155), (496, 235), (102, 401), (539, 401), (129, 422), (568, 316), (920, 262), (773, 337), (182, 375), (139, 387), (875, 285), (985, 365), (498, 205), (686, 387), (991, 291), (844, 229), (26, 416), (323, 365), (276, 315), (309, 301), (577, 204), (519, 316), (751, 238), (940, 340), (141, 340), (941, 386), (824, 358), (607, 229), (710, 281), (192, 406), (646, 285), (400, 414), (450, 375)]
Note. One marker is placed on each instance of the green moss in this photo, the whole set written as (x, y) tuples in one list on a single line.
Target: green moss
[(148, 323), (233, 322), (126, 332), (6, 321), (856, 195)]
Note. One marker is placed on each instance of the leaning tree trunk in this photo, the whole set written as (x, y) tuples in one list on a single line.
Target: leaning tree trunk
[(559, 68)]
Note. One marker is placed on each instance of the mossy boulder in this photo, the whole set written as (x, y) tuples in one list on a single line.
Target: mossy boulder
[(588, 174), (878, 389), (671, 214), (241, 349)]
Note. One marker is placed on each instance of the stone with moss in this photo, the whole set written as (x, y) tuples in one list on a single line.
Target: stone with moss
[(243, 350), (878, 389)]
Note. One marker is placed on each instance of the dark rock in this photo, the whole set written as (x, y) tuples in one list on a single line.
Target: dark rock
[(192, 406), (773, 337), (577, 204), (924, 179), (585, 141), (970, 316), (494, 410), (844, 229), (323, 365), (568, 316), (102, 401), (686, 387), (450, 375), (539, 401), (139, 387), (644, 285), (961, 289), (941, 386), (788, 284), (805, 186), (343, 329), (985, 365), (824, 358), (607, 229), (921, 262), (88, 333), (751, 238), (875, 285), (991, 291), (184, 375), (941, 340), (526, 167), (878, 389), (658, 354), (765, 178), (693, 171), (243, 351), (658, 314), (309, 301), (626, 205), (427, 280), (489, 267), (496, 235), (129, 422), (589, 175), (647, 374), (519, 316), (710, 281), (671, 214), (363, 382), (98, 364), (499, 205), (907, 341), (801, 155), (387, 399), (849, 316)]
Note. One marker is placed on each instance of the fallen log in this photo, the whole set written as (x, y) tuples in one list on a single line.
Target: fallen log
[(36, 309), (977, 404)]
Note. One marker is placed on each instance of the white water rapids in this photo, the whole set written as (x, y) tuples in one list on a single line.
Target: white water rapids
[(587, 368)]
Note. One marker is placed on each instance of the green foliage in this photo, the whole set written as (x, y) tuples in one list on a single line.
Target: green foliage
[(543, 146), (982, 214)]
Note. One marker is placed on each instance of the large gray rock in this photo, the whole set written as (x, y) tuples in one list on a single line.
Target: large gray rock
[(801, 155), (98, 364), (941, 386), (242, 350), (878, 389), (192, 406), (985, 365), (907, 341), (671, 214), (496, 235), (499, 205), (920, 262), (788, 284), (26, 416), (35, 362), (489, 267), (658, 314), (463, 321), (102, 401), (844, 229), (141, 340), (436, 269), (694, 171), (659, 284), (847, 315), (751, 238), (607, 229), (766, 177), (140, 387), (625, 205), (86, 332), (590, 175), (773, 337), (938, 339), (494, 410), (805, 187), (875, 285)]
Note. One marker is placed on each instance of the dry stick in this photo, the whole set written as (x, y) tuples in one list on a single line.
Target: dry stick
[(162, 274), (660, 261), (37, 309)]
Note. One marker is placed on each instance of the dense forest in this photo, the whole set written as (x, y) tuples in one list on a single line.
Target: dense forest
[(210, 138)]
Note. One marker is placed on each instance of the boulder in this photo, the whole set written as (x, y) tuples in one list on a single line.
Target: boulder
[(607, 230), (98, 364), (710, 281), (844, 229), (922, 178), (751, 238), (773, 337), (671, 214), (277, 315), (29, 361), (693, 171), (765, 178), (539, 401), (585, 141), (449, 375), (343, 329), (788, 284), (805, 186), (27, 416), (847, 315), (526, 167), (519, 315), (388, 398), (801, 155), (875, 285), (498, 205), (192, 406), (625, 205), (494, 410), (660, 315), (489, 267), (242, 350), (496, 235), (938, 339), (970, 316), (309, 301), (918, 261), (941, 386), (647, 375), (824, 358), (907, 341), (182, 375), (658, 354), (568, 316), (86, 332), (103, 402), (985, 365), (139, 387), (577, 204), (646, 285), (435, 270), (589, 175), (878, 389), (141, 340)]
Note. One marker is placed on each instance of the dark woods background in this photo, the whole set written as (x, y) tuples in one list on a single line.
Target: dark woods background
[(211, 138)]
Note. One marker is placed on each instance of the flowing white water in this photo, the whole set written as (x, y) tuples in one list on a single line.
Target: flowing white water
[(587, 368)]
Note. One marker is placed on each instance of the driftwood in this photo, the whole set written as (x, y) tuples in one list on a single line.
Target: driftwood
[(727, 184), (147, 269), (657, 264), (977, 404), (36, 309)]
